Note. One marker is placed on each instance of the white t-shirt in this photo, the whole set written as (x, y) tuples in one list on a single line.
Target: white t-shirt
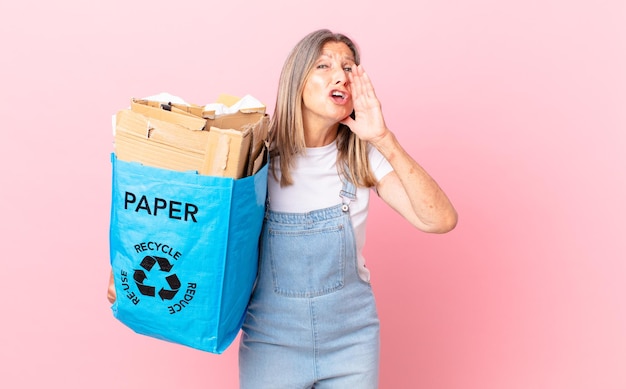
[(316, 185)]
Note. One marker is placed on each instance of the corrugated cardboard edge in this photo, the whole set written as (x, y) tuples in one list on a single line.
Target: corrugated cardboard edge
[(145, 107), (147, 140), (232, 145), (224, 152), (259, 145)]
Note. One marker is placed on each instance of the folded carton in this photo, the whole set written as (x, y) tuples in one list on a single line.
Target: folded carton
[(169, 113), (183, 138)]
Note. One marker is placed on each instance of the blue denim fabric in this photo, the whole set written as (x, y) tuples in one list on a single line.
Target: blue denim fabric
[(312, 321)]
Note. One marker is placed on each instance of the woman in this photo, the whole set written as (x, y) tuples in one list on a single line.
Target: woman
[(312, 319)]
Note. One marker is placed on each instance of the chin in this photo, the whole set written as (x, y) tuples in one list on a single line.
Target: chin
[(343, 114)]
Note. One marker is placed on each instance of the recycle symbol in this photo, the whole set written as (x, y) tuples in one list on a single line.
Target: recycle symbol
[(140, 276)]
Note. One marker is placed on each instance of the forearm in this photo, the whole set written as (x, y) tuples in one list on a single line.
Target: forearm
[(431, 209)]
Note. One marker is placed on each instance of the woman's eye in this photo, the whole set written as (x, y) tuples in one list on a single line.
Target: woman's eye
[(322, 66), (348, 68)]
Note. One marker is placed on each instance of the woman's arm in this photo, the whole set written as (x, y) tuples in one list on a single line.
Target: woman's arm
[(412, 192), (409, 189)]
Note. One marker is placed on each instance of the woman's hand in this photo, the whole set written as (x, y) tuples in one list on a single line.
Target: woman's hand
[(369, 124), (409, 189), (111, 290)]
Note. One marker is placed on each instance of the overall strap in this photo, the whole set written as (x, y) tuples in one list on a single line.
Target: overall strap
[(348, 192)]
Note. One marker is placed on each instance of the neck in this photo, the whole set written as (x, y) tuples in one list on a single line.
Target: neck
[(319, 135)]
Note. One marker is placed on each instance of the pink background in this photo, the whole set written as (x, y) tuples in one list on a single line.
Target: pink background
[(517, 108)]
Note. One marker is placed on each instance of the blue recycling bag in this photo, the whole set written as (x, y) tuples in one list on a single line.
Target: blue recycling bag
[(184, 252)]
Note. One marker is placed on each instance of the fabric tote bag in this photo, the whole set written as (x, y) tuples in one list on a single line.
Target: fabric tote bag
[(184, 252)]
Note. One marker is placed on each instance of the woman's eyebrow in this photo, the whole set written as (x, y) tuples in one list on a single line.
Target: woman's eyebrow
[(348, 58)]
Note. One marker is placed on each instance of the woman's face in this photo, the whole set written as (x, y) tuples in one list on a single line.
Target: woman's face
[(326, 97)]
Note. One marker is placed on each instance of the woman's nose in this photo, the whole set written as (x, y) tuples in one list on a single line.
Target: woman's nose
[(340, 77)]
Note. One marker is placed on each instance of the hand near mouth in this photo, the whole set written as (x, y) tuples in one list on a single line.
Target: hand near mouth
[(369, 124)]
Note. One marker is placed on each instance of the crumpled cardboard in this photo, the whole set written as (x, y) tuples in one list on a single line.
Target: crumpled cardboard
[(220, 139)]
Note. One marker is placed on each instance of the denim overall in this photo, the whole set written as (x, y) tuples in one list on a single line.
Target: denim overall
[(312, 321)]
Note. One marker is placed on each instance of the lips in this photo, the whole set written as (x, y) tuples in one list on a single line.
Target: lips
[(340, 97)]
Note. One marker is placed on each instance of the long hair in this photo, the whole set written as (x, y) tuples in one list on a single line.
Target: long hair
[(286, 126)]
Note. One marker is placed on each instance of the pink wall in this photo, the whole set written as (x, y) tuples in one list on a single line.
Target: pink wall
[(516, 107)]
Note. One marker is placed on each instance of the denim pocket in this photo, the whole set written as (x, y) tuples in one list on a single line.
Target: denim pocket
[(307, 263)]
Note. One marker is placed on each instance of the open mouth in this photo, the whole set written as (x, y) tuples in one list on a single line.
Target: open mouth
[(339, 96)]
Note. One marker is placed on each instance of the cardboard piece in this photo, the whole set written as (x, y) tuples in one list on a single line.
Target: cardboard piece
[(183, 138), (188, 116)]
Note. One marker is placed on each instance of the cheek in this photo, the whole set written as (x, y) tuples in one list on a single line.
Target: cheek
[(306, 98), (311, 93)]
